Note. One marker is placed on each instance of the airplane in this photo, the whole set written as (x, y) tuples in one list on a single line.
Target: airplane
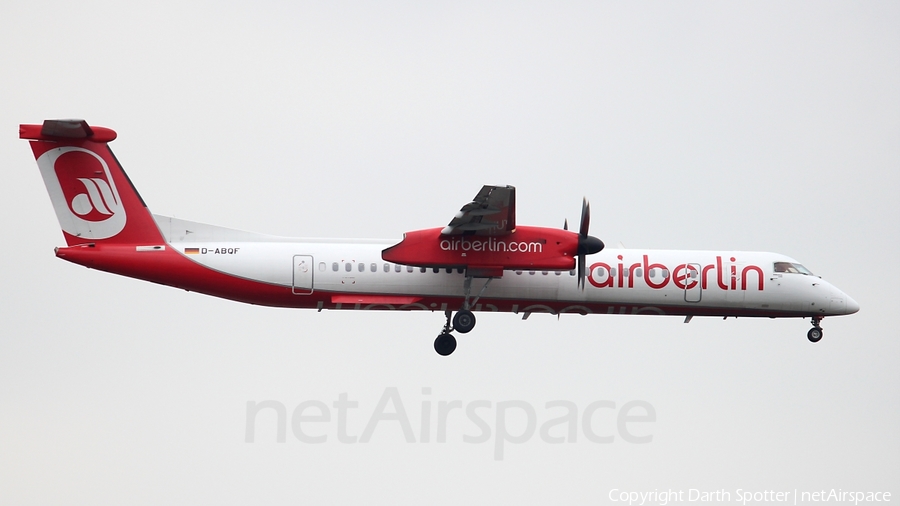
[(481, 261)]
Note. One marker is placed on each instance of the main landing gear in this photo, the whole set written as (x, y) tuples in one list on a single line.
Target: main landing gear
[(463, 322), (815, 334), (445, 343)]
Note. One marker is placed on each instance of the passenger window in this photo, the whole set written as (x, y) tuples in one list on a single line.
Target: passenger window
[(665, 273), (559, 273), (544, 273), (572, 272), (348, 267), (612, 272), (519, 272), (459, 270), (397, 268), (435, 270), (601, 272), (652, 273), (409, 268), (373, 267), (322, 266), (362, 267), (531, 273), (387, 267), (639, 272), (449, 270), (624, 272), (334, 267), (422, 270)]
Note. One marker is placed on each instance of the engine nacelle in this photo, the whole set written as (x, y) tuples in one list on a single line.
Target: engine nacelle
[(528, 248)]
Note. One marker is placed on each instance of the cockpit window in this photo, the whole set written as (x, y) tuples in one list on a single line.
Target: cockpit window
[(803, 270), (792, 268)]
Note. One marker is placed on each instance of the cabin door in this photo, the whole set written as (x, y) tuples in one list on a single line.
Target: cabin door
[(693, 289), (303, 275)]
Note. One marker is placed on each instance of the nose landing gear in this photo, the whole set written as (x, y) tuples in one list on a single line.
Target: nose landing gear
[(815, 334)]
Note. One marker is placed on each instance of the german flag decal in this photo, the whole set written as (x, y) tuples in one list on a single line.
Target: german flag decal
[(191, 251)]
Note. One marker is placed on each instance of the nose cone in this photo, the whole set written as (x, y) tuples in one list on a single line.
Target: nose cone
[(842, 304), (851, 306)]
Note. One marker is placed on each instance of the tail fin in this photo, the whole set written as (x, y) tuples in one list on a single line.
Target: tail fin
[(94, 200)]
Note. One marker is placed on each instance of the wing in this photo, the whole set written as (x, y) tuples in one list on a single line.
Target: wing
[(491, 212)]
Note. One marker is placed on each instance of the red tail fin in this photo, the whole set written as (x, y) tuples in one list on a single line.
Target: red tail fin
[(94, 200)]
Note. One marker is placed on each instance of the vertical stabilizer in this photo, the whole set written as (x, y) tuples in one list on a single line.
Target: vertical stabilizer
[(94, 200)]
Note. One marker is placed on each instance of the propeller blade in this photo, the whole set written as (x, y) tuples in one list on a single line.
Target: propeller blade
[(585, 218), (587, 245), (582, 261), (566, 224)]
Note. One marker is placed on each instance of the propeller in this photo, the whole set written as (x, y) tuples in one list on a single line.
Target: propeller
[(587, 245)]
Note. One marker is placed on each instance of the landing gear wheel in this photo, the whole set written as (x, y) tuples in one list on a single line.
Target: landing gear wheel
[(814, 335), (445, 344), (464, 321)]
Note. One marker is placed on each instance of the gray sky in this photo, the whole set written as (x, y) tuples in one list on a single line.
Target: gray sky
[(751, 126)]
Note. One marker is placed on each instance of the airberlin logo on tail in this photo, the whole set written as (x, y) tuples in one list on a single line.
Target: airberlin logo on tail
[(98, 195), (83, 192)]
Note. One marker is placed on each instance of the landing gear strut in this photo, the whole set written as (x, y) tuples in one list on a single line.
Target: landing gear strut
[(463, 321), (815, 334)]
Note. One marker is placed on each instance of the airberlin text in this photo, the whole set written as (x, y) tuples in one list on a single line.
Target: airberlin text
[(726, 275), (491, 244)]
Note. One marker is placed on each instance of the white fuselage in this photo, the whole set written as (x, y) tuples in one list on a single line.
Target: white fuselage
[(619, 281)]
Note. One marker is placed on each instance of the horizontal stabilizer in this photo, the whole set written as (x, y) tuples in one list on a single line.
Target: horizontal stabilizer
[(66, 129)]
